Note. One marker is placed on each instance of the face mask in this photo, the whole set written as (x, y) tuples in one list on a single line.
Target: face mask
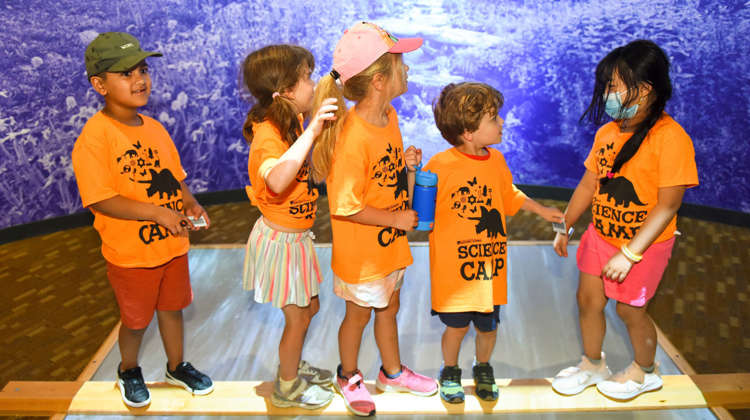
[(613, 107)]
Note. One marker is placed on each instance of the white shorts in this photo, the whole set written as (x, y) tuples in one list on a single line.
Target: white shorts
[(373, 294)]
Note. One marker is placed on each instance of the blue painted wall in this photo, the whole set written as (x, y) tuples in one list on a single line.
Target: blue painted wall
[(540, 55)]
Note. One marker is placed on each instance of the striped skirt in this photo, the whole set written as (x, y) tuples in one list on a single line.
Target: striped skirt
[(282, 267)]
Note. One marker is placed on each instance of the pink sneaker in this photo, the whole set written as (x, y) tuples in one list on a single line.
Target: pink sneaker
[(356, 396), (407, 381)]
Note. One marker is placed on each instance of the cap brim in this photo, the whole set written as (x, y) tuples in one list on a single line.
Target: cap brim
[(406, 45), (127, 63)]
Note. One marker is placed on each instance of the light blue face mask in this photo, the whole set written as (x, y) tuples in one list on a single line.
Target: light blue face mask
[(613, 107)]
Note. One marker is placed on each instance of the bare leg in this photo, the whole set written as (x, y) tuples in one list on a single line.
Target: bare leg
[(485, 343), (642, 332), (296, 321), (386, 334), (591, 303), (350, 336), (171, 330), (452, 338), (129, 342)]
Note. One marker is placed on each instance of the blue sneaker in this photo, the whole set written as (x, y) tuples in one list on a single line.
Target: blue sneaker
[(451, 390)]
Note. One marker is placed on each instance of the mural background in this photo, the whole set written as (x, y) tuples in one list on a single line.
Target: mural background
[(541, 55)]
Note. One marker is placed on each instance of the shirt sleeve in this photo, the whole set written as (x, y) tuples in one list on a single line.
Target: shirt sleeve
[(264, 154), (91, 164), (676, 159), (347, 181), (513, 198)]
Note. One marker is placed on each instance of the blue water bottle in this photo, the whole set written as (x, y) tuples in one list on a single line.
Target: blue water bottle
[(425, 191)]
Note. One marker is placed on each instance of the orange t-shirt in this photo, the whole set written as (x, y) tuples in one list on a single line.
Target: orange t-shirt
[(468, 244), (666, 158), (140, 163), (293, 208), (368, 169)]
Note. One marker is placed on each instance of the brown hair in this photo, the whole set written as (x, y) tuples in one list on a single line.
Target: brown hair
[(275, 68), (461, 107), (355, 89)]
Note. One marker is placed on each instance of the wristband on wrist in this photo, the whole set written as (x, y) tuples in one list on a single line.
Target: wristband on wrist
[(630, 254)]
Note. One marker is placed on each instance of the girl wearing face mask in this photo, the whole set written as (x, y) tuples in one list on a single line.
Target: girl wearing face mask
[(636, 174)]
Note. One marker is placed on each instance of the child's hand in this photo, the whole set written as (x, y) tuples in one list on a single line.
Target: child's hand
[(405, 220), (412, 157), (617, 267), (195, 210), (326, 112), (551, 214), (176, 222), (560, 244)]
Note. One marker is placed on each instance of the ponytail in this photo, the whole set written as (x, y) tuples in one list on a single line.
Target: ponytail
[(267, 72), (322, 154), (355, 89)]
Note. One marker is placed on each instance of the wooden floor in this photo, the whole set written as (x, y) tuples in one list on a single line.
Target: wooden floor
[(58, 306)]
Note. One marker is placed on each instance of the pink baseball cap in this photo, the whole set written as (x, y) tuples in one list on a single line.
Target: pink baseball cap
[(362, 44)]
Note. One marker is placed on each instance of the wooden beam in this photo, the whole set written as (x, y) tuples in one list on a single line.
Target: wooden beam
[(37, 398), (726, 390), (251, 398)]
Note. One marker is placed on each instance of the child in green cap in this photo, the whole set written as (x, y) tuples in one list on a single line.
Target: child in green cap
[(129, 175)]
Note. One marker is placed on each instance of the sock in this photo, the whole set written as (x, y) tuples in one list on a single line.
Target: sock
[(286, 386), (595, 362), (649, 369), (394, 376)]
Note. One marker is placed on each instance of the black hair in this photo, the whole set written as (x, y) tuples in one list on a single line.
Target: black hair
[(638, 62)]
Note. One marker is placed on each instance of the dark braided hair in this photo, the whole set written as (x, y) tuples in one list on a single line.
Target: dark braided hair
[(636, 63)]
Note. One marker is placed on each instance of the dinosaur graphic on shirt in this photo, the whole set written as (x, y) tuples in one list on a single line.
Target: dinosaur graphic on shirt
[(621, 190), (390, 171), (473, 201)]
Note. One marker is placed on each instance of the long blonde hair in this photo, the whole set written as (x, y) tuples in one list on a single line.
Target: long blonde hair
[(355, 89), (270, 70)]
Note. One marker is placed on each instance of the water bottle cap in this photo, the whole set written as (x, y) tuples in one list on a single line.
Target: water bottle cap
[(426, 178)]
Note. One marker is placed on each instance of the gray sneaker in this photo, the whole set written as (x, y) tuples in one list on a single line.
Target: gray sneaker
[(315, 375), (302, 394)]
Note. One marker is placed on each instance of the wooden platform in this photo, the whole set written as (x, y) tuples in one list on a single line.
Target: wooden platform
[(252, 398)]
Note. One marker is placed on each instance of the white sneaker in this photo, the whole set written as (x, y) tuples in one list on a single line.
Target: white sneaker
[(573, 380), (630, 383)]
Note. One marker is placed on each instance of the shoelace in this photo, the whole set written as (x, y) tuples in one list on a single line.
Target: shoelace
[(451, 375), (187, 368), (485, 375)]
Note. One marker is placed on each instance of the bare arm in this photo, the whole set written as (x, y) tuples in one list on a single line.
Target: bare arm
[(191, 205), (668, 202), (550, 214), (120, 207), (412, 158), (285, 170), (579, 202), (402, 219)]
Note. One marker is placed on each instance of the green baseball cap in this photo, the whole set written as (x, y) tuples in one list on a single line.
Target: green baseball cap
[(115, 52)]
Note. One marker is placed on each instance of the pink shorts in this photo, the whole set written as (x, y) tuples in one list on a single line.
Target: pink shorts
[(641, 282), (141, 291)]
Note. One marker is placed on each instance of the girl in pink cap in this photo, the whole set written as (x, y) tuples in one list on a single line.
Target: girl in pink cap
[(369, 178)]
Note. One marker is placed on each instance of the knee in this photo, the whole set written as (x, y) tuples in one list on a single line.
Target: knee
[(589, 302), (359, 319), (630, 314)]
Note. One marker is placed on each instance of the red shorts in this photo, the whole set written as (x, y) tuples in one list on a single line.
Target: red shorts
[(141, 291), (641, 282)]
